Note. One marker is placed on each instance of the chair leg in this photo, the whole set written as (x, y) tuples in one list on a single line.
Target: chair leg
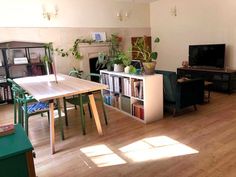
[(25, 119), (20, 116), (65, 111), (103, 108), (60, 119), (15, 112), (174, 112), (75, 107), (90, 113), (195, 107), (48, 117), (81, 114)]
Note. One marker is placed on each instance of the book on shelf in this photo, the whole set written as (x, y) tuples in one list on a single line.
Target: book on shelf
[(116, 84), (138, 110), (105, 79), (126, 87), (138, 89), (7, 129), (110, 83)]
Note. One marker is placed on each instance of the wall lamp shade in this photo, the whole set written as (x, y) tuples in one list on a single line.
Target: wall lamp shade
[(49, 11), (121, 15)]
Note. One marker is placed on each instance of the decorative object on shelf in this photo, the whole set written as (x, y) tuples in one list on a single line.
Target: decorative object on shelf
[(185, 64), (145, 55), (133, 70), (22, 60), (49, 11), (98, 36)]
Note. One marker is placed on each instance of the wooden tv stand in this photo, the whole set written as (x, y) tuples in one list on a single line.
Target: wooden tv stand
[(223, 80)]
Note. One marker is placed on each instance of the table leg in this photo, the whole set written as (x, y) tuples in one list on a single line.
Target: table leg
[(52, 131), (95, 114), (60, 118)]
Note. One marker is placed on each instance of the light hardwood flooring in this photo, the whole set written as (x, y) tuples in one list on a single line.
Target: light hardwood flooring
[(195, 144)]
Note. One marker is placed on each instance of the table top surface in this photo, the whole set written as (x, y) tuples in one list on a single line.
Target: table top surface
[(45, 88), (16, 143)]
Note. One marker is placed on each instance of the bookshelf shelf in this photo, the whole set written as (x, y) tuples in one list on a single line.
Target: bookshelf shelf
[(20, 59), (140, 97)]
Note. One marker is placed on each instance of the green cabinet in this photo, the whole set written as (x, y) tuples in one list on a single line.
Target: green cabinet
[(16, 159)]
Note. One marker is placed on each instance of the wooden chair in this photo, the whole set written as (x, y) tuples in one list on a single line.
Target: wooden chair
[(81, 100)]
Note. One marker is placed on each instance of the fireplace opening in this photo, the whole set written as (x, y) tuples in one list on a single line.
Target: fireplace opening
[(93, 68)]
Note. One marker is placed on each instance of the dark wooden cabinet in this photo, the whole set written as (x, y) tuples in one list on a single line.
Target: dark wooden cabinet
[(16, 159), (20, 59), (223, 80)]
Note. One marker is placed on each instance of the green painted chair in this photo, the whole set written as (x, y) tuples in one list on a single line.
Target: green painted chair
[(82, 99)]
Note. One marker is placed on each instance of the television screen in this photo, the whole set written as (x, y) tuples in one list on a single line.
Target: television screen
[(211, 55)]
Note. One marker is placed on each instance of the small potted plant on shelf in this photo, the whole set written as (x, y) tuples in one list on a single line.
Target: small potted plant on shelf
[(145, 55), (121, 60)]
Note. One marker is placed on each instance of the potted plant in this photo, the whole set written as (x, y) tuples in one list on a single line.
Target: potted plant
[(145, 55), (104, 61), (121, 60)]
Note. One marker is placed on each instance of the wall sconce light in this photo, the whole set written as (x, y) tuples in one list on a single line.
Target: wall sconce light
[(173, 11), (121, 15), (49, 11)]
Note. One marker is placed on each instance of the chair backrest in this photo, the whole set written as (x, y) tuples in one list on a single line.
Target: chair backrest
[(169, 84)]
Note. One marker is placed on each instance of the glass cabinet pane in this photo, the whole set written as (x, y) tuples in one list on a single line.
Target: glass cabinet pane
[(36, 54), (16, 56)]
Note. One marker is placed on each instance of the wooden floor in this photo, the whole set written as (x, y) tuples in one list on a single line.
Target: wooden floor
[(195, 144)]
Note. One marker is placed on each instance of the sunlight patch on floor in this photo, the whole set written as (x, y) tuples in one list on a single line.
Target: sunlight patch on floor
[(102, 156), (156, 148)]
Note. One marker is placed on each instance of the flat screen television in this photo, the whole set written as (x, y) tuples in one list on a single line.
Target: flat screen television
[(210, 55)]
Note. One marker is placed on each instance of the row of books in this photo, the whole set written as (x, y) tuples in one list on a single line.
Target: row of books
[(137, 89), (138, 110), (117, 84), (5, 93), (112, 100)]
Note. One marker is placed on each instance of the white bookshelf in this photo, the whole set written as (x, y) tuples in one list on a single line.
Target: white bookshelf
[(140, 96)]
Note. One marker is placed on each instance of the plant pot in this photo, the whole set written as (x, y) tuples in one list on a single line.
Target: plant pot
[(149, 67), (118, 68), (127, 68)]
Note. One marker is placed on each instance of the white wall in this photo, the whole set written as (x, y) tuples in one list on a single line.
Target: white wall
[(73, 13), (197, 22), (22, 20)]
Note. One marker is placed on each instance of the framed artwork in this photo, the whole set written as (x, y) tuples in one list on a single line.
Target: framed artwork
[(98, 36)]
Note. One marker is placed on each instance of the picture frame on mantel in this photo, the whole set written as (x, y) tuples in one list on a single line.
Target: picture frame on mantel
[(99, 36)]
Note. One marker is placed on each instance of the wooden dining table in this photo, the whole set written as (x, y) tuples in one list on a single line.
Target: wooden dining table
[(50, 88)]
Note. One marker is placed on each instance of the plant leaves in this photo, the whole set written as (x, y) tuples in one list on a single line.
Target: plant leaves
[(157, 40), (154, 55)]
